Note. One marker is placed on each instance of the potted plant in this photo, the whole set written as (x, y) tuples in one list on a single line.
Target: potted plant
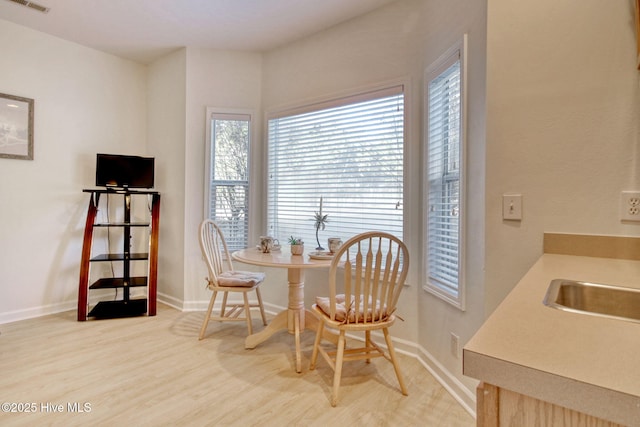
[(297, 245)]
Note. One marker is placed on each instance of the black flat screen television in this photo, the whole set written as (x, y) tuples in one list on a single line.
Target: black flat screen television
[(120, 171)]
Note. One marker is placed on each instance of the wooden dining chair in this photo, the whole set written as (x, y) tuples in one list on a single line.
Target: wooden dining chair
[(223, 278), (366, 277)]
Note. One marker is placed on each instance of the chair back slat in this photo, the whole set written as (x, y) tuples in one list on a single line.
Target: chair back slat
[(385, 285), (374, 267), (214, 248), (348, 285)]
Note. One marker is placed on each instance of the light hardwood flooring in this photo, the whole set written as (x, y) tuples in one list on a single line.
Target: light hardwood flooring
[(153, 371)]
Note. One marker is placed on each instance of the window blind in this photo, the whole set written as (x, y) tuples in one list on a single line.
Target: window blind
[(350, 155), (444, 177)]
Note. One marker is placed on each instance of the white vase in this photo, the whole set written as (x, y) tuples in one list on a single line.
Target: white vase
[(297, 249)]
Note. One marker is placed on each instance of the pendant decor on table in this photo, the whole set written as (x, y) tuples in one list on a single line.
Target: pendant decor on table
[(320, 221)]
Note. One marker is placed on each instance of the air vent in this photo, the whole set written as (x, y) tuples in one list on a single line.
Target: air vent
[(31, 5)]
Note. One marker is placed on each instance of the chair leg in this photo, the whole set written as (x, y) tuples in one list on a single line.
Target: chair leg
[(367, 343), (316, 345), (264, 318), (203, 329), (394, 361), (337, 375), (223, 308), (247, 311)]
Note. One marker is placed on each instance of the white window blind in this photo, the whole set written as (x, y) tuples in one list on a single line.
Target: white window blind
[(228, 176), (444, 107), (349, 153)]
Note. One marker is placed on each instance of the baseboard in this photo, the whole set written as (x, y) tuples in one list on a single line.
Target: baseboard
[(465, 397), (30, 313), (176, 303)]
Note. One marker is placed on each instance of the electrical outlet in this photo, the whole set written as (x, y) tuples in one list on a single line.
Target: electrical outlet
[(455, 345), (630, 206)]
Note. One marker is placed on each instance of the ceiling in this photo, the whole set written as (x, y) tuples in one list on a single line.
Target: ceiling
[(143, 30)]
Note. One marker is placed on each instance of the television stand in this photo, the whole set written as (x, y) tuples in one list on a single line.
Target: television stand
[(127, 306)]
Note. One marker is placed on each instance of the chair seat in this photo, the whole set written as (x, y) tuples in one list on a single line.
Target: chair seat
[(240, 279), (349, 314)]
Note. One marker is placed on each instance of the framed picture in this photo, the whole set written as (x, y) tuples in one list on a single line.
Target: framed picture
[(16, 127)]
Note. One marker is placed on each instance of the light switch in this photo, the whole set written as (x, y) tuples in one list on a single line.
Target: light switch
[(512, 207)]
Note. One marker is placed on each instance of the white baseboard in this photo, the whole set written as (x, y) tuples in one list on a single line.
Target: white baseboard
[(30, 313), (176, 303), (465, 397)]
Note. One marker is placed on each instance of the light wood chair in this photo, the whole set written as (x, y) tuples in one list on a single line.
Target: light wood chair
[(366, 277), (223, 278)]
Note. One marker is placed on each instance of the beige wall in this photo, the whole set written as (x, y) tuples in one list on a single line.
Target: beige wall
[(397, 43), (562, 126), (217, 79), (166, 127), (85, 102), (553, 114)]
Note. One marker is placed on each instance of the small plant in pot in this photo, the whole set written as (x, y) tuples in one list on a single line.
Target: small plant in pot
[(297, 245)]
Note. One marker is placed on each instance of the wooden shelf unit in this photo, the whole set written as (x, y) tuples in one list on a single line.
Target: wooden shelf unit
[(126, 307)]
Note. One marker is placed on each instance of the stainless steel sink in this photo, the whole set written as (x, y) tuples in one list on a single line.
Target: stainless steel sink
[(614, 302)]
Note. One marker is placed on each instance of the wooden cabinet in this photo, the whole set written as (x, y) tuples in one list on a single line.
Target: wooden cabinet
[(125, 306), (501, 407)]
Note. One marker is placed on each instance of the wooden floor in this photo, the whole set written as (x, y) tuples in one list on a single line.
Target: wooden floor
[(153, 371)]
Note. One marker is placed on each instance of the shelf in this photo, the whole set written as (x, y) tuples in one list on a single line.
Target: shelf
[(140, 256), (126, 306), (122, 224), (114, 309), (118, 282), (124, 191)]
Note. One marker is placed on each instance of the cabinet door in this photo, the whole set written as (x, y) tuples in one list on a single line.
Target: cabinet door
[(501, 407)]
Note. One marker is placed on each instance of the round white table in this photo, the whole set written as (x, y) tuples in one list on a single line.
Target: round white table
[(294, 318)]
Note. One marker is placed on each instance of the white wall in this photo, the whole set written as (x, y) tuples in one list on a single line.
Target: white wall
[(398, 42), (85, 102), (358, 55), (218, 79), (166, 121), (560, 105), (562, 126)]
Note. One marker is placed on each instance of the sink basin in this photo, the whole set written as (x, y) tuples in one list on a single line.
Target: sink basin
[(595, 299)]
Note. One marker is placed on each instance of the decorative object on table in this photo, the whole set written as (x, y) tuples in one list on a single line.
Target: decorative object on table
[(334, 244), (223, 278), (267, 243), (16, 127), (366, 277), (320, 221), (297, 245), (321, 255)]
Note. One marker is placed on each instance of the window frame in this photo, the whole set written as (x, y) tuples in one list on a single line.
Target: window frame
[(231, 114), (456, 52)]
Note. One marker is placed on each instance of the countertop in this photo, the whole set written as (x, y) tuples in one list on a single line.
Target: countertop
[(586, 363)]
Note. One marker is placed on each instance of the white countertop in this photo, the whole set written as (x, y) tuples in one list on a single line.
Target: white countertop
[(586, 363)]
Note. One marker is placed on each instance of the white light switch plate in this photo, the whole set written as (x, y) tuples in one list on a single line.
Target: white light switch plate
[(512, 207)]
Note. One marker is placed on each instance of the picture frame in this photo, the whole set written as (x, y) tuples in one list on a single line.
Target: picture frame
[(16, 127)]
